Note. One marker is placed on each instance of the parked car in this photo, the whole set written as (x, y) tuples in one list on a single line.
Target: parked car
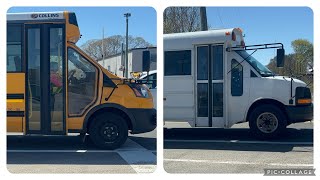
[(152, 84)]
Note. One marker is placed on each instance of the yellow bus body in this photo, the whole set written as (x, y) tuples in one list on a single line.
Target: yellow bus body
[(111, 93)]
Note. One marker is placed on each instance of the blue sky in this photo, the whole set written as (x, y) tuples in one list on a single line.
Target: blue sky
[(265, 25), (260, 24), (92, 20)]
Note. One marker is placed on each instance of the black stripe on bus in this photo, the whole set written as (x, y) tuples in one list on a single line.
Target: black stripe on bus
[(15, 113), (15, 96)]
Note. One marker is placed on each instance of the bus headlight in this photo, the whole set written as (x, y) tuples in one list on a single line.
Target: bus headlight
[(303, 96), (140, 90)]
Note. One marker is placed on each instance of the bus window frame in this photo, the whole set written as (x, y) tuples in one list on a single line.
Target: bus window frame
[(178, 73), (89, 106), (22, 50)]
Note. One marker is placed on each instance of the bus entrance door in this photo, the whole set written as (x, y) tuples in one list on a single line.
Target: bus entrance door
[(209, 86), (45, 81)]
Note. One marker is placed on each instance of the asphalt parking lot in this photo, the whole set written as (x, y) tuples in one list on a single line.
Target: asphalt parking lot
[(207, 150), (68, 154)]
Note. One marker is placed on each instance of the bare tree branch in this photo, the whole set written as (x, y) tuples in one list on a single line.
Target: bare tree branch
[(112, 45), (181, 19)]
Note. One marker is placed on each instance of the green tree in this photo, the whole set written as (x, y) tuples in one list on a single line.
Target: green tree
[(297, 64), (303, 51), (286, 70)]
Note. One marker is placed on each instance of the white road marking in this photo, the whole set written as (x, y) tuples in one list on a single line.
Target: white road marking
[(69, 151), (239, 163), (81, 151), (239, 142), (138, 157)]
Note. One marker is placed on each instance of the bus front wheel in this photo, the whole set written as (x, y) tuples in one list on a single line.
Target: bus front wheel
[(108, 131), (267, 121)]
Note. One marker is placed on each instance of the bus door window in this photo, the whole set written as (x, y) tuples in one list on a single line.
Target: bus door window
[(55, 81), (56, 78)]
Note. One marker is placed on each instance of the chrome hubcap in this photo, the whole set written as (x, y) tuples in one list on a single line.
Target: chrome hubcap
[(267, 122)]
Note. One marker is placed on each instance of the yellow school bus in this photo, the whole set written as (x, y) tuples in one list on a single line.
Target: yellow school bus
[(54, 88)]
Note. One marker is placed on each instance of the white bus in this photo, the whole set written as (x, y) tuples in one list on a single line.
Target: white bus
[(210, 80)]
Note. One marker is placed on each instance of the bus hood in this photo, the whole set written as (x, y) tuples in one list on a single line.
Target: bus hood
[(295, 81)]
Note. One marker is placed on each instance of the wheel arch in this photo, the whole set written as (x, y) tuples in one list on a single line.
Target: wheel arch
[(108, 107), (260, 102)]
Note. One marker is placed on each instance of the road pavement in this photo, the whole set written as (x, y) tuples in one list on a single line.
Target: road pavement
[(68, 154), (215, 150)]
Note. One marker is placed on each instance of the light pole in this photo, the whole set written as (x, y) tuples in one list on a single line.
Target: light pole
[(103, 48), (203, 19), (127, 15)]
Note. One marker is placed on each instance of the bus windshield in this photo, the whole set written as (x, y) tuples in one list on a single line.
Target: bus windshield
[(261, 69)]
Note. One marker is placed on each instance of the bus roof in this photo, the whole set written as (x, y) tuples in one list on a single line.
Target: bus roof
[(189, 39), (66, 17), (34, 16)]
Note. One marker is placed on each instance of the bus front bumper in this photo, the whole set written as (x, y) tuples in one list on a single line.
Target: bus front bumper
[(145, 120), (300, 113)]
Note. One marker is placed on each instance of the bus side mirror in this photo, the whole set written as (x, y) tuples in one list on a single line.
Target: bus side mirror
[(146, 61), (280, 57)]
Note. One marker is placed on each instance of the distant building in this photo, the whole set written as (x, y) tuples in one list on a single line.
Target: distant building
[(116, 63)]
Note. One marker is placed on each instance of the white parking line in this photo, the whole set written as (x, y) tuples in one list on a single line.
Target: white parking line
[(239, 142), (239, 163)]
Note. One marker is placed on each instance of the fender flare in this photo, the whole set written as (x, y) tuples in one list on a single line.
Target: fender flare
[(263, 101), (106, 105)]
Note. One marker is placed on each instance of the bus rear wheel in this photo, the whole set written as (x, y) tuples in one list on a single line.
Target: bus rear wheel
[(267, 122), (108, 131)]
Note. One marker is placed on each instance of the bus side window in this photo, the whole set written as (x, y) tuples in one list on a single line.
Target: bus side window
[(236, 78), (177, 63), (14, 48)]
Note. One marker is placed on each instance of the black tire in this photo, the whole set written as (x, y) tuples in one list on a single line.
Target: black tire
[(267, 122), (108, 131)]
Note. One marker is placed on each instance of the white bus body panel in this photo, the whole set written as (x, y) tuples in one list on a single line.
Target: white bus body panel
[(179, 93), (236, 106)]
